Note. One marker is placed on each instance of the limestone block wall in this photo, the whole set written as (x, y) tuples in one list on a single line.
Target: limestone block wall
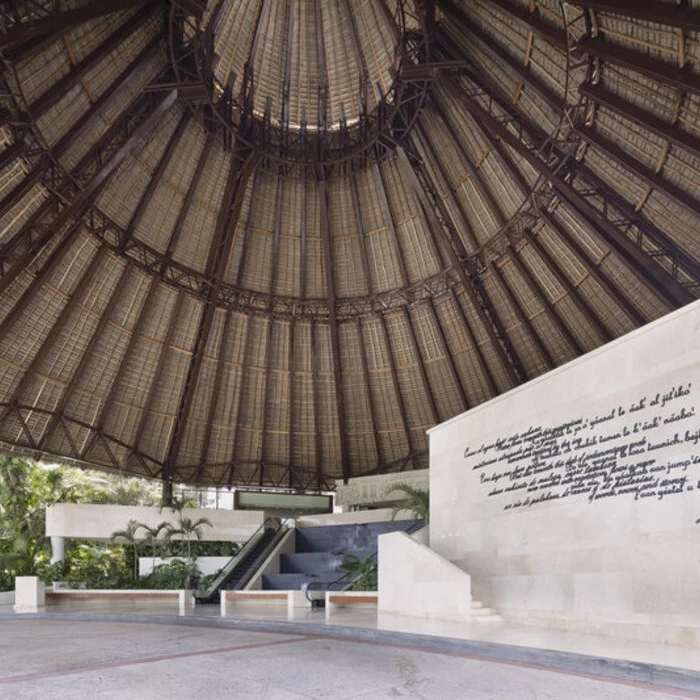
[(414, 580), (574, 500), (87, 521), (373, 491)]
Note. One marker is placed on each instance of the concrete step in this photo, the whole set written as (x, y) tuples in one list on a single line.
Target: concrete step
[(479, 613)]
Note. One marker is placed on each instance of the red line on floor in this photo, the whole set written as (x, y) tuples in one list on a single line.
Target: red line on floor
[(148, 660), (540, 667)]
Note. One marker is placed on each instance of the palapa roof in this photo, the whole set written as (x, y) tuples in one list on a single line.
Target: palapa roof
[(271, 242)]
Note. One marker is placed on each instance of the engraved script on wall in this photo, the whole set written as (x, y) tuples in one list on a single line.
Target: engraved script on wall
[(645, 449)]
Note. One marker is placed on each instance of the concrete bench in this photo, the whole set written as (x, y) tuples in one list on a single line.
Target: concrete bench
[(292, 599), (342, 599), (184, 598)]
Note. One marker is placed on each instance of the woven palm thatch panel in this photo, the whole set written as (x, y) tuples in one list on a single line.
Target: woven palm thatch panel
[(435, 361), (531, 358), (286, 276), (392, 430), (74, 102), (660, 42), (603, 305), (27, 206), (346, 241), (129, 183), (638, 292), (127, 94), (380, 236), (254, 248), (304, 408), (416, 249), (159, 421), (539, 313), (28, 336), (359, 429), (41, 71), (194, 431), (637, 192), (159, 218), (585, 334), (194, 243)]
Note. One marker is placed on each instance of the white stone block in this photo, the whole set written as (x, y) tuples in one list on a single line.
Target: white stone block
[(30, 594)]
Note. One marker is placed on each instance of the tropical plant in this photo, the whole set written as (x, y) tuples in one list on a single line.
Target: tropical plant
[(154, 535), (416, 500), (91, 566), (362, 572), (129, 537), (176, 574), (189, 529)]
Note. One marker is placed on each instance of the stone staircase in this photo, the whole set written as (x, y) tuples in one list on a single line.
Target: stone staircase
[(479, 613)]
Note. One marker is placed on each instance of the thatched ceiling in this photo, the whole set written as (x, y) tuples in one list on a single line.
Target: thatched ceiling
[(271, 242)]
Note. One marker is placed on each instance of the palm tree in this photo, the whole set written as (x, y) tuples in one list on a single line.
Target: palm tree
[(417, 501), (129, 537), (188, 529), (153, 534)]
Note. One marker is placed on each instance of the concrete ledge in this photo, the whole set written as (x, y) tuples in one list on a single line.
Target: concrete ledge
[(185, 599), (292, 599), (343, 599)]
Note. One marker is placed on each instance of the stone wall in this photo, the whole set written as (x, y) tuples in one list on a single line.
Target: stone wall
[(574, 500)]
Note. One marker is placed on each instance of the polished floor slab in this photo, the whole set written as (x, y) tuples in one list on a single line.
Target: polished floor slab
[(120, 639), (51, 657)]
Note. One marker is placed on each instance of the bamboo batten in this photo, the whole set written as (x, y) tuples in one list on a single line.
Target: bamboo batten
[(180, 299)]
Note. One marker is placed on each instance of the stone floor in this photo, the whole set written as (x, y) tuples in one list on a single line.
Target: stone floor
[(119, 649)]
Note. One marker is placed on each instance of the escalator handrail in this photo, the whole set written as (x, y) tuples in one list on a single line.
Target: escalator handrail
[(319, 585), (269, 524)]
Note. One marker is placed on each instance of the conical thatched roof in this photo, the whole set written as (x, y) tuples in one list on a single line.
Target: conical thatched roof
[(271, 242)]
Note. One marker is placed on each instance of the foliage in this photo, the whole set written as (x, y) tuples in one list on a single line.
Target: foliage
[(364, 571), (175, 574), (188, 529), (129, 537), (26, 488), (91, 566), (416, 500)]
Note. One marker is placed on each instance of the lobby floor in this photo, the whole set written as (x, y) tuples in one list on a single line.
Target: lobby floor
[(81, 649)]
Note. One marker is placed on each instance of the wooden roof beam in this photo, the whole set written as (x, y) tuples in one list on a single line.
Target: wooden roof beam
[(522, 317), (85, 356), (324, 207), (63, 21), (575, 295), (61, 87), (554, 36), (660, 280), (547, 304), (640, 63), (82, 200), (672, 14), (222, 243), (641, 117), (643, 172), (593, 269)]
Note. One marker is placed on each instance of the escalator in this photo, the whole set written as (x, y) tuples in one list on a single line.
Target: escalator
[(241, 568)]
